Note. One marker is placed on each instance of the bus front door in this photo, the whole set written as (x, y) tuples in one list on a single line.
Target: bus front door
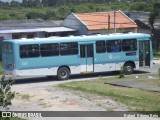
[(144, 53), (87, 57)]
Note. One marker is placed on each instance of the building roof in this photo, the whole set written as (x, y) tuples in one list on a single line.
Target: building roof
[(26, 24), (99, 20), (48, 30)]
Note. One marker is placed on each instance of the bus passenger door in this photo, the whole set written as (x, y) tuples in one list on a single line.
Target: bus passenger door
[(87, 57), (144, 53)]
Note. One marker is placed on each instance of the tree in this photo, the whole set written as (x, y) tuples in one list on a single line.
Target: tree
[(25, 3), (15, 4), (31, 3), (38, 2), (35, 15), (45, 2), (52, 2), (153, 15), (141, 6)]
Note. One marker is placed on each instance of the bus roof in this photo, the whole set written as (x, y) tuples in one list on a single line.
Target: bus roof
[(82, 38)]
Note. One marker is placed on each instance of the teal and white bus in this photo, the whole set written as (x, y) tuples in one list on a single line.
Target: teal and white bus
[(65, 56)]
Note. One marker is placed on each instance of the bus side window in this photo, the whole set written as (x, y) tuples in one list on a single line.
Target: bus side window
[(49, 49), (23, 51), (33, 50), (100, 46), (129, 45), (29, 51), (70, 48), (113, 45)]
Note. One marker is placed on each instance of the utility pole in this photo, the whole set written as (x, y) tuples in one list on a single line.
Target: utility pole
[(108, 23), (115, 21)]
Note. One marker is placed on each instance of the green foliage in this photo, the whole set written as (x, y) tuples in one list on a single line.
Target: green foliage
[(33, 9), (59, 11), (5, 92), (1, 71), (122, 72), (141, 6), (34, 15), (50, 15)]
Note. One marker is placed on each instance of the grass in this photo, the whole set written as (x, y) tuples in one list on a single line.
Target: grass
[(135, 99), (156, 54)]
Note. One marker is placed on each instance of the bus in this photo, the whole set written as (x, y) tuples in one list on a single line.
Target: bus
[(65, 56)]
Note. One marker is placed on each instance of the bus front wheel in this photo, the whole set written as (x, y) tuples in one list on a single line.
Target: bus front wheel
[(63, 73), (128, 68)]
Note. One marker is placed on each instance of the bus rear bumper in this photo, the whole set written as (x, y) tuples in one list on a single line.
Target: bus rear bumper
[(11, 73)]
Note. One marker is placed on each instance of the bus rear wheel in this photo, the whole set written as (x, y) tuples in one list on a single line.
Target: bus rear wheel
[(63, 73), (128, 68)]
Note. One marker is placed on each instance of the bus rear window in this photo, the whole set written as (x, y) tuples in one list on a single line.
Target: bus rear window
[(7, 48)]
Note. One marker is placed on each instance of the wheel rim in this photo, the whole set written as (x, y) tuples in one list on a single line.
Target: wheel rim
[(129, 68), (64, 74)]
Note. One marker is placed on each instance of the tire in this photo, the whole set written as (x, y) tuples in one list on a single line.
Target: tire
[(63, 73), (128, 68)]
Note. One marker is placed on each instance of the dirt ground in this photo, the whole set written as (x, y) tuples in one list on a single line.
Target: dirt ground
[(46, 96), (51, 98)]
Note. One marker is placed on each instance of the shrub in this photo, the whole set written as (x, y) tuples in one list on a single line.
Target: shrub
[(5, 92), (122, 72)]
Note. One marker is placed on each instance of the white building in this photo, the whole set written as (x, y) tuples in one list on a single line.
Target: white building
[(100, 22)]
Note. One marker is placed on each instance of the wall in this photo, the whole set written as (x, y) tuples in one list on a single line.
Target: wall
[(40, 34), (6, 36), (73, 22)]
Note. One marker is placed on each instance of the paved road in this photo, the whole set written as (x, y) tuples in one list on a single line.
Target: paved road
[(32, 79), (135, 83)]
